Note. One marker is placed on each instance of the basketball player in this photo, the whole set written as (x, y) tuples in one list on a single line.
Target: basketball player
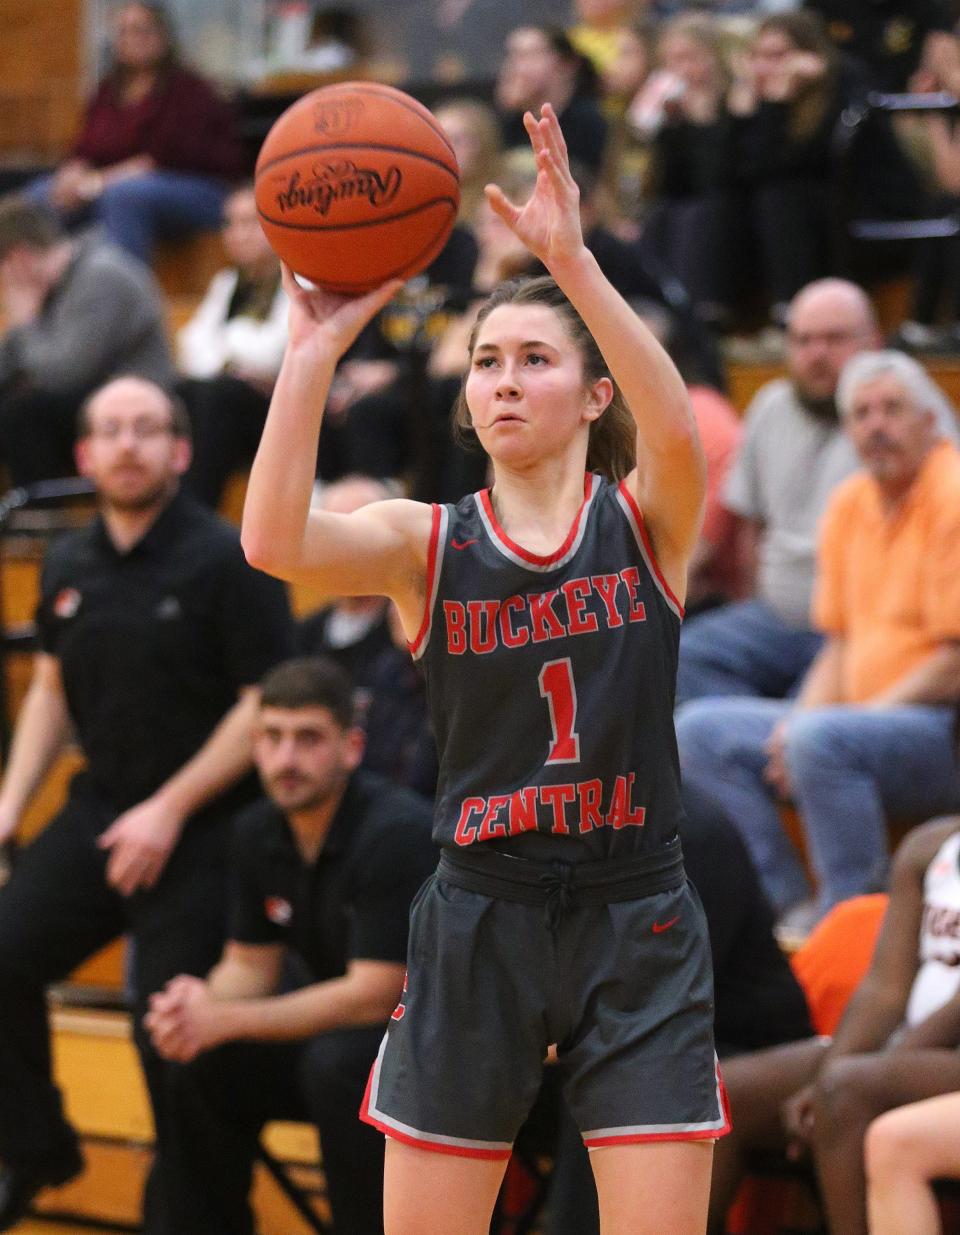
[(546, 613)]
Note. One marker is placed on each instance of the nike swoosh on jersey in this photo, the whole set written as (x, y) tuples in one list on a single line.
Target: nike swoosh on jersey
[(660, 927), (463, 544)]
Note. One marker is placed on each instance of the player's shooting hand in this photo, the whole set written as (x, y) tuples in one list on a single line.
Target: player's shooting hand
[(184, 1019), (329, 322), (549, 223), (797, 1117), (140, 842)]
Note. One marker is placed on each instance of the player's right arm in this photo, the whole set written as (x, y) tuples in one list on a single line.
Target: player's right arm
[(43, 729), (379, 550)]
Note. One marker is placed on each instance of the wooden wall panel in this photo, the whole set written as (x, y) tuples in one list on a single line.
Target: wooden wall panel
[(42, 53)]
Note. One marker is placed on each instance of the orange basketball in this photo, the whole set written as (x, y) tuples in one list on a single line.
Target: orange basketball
[(356, 184)]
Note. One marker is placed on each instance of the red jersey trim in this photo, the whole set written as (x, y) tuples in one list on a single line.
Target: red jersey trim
[(640, 529), (524, 557), (437, 532)]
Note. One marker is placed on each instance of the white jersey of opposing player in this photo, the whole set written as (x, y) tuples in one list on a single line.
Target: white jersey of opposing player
[(938, 977)]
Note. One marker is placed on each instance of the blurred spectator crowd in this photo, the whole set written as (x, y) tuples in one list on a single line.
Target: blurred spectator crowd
[(751, 175)]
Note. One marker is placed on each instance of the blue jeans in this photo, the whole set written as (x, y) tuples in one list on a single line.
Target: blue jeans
[(850, 767), (134, 212), (742, 649)]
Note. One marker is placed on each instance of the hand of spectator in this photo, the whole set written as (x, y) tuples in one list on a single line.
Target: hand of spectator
[(742, 95), (66, 192), (777, 773), (658, 98), (140, 842), (796, 1115), (699, 106), (22, 289), (549, 222), (259, 381), (184, 1019), (129, 169), (357, 378), (326, 322), (501, 255), (797, 70), (941, 57)]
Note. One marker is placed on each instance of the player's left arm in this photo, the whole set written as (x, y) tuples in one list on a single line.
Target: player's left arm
[(669, 482)]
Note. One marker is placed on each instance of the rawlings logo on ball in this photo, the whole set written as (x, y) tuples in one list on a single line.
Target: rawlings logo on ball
[(338, 182)]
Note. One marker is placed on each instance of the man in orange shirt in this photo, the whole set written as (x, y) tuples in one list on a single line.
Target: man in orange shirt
[(872, 731)]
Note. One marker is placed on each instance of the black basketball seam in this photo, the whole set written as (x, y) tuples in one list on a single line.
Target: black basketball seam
[(391, 92), (341, 286), (344, 227), (413, 154)]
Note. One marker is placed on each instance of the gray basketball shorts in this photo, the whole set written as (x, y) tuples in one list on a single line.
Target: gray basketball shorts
[(623, 988)]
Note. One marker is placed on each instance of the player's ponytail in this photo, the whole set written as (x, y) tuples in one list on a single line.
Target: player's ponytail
[(612, 445)]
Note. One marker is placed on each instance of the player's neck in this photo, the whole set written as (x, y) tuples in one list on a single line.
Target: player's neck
[(537, 506)]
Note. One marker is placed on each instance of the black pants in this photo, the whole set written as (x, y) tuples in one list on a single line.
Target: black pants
[(793, 225), (37, 434), (699, 240), (219, 1103), (227, 415), (57, 910)]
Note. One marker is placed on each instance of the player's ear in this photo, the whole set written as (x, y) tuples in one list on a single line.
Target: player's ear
[(599, 396)]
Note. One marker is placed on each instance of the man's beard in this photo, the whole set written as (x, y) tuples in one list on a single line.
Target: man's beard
[(157, 495), (821, 408)]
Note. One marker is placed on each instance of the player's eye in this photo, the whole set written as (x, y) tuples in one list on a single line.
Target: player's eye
[(484, 362), (534, 358)]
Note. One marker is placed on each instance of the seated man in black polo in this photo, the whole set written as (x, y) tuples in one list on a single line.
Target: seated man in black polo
[(154, 633), (322, 874)]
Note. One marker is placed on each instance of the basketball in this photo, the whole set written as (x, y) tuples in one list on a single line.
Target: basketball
[(356, 184)]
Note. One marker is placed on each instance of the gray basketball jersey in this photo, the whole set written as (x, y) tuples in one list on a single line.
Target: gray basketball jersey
[(551, 682)]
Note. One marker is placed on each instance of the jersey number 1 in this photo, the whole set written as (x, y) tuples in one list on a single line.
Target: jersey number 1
[(556, 686)]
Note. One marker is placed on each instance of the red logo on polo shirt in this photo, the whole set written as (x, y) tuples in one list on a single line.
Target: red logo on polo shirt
[(67, 602), (278, 910)]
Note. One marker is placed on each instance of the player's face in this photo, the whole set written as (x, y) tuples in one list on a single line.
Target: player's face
[(304, 756), (892, 436), (525, 388), (130, 451)]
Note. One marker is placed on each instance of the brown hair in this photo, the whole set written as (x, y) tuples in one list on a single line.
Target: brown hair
[(806, 32), (158, 14), (310, 682), (612, 444), (24, 222)]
